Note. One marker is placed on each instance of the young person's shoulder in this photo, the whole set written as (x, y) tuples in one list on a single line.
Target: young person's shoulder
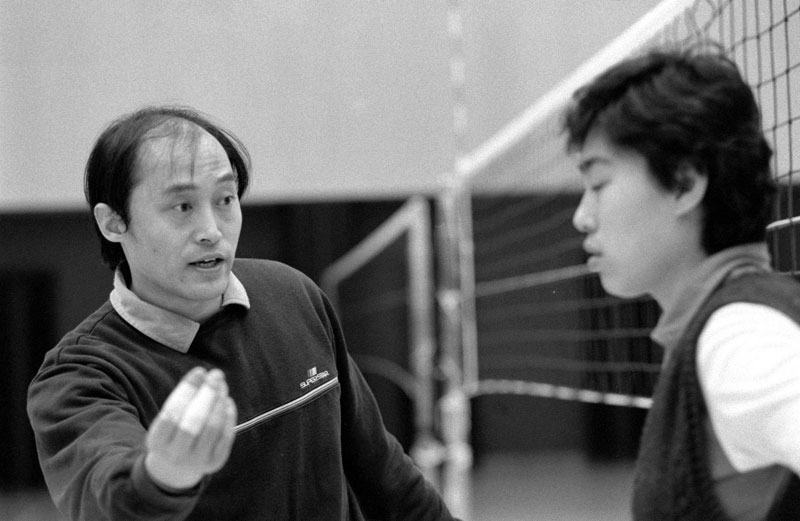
[(775, 290), (779, 294)]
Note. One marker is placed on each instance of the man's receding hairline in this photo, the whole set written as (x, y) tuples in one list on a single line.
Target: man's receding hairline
[(176, 132), (176, 128)]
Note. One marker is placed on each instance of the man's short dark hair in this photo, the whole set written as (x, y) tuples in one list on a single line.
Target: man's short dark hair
[(110, 170), (687, 107)]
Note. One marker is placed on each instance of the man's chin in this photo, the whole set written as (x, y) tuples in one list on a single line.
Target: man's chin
[(210, 284)]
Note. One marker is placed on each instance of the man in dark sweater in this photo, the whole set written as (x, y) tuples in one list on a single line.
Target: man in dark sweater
[(678, 194), (206, 388)]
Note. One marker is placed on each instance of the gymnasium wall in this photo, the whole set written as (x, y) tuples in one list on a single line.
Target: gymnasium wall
[(341, 100)]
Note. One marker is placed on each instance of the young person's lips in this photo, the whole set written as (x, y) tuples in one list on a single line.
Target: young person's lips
[(593, 256)]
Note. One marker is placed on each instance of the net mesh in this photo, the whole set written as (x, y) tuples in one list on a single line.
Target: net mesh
[(366, 316), (383, 292), (543, 325)]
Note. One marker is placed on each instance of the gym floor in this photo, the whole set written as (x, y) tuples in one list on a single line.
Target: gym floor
[(563, 486)]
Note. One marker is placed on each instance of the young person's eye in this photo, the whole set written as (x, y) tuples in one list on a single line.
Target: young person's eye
[(183, 207), (228, 200), (597, 186)]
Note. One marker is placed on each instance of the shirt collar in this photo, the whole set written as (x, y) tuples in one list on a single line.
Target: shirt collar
[(695, 289), (163, 326)]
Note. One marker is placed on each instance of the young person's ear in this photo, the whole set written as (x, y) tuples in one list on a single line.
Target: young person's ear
[(110, 223), (690, 189)]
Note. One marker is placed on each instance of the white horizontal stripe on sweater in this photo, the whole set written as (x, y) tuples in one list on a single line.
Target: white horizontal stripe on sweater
[(748, 359), (289, 406)]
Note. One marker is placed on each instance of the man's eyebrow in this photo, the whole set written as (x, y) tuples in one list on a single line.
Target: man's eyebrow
[(228, 177)]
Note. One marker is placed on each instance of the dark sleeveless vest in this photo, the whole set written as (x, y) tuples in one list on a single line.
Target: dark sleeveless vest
[(673, 475)]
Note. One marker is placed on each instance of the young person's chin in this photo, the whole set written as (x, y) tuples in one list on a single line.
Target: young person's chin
[(618, 288)]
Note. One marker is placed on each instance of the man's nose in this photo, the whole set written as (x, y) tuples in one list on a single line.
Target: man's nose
[(208, 229)]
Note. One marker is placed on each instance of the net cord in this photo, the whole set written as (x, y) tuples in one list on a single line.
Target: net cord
[(515, 131)]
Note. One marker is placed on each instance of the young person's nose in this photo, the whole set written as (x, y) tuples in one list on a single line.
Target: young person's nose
[(582, 219)]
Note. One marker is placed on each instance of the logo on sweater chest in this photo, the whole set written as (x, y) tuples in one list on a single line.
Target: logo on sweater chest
[(313, 377)]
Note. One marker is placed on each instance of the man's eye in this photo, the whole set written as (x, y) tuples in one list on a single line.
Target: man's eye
[(228, 200), (183, 207)]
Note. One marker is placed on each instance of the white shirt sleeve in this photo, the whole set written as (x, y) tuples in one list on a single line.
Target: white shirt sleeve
[(748, 360)]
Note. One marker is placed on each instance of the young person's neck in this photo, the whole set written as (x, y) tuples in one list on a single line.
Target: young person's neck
[(679, 274)]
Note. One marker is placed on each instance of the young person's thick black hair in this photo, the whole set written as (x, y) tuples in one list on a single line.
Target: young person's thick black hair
[(687, 107), (111, 169)]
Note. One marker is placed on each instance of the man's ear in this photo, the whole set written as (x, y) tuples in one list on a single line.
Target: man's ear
[(691, 188), (110, 223)]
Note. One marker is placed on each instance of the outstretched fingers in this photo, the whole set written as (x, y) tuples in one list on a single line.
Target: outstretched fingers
[(194, 431)]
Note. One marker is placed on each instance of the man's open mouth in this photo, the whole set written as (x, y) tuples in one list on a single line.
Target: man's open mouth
[(207, 263)]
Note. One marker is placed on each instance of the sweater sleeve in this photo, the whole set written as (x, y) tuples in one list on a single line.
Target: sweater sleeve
[(90, 443), (748, 358), (387, 483)]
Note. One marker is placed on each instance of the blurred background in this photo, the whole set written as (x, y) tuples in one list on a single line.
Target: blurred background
[(406, 156)]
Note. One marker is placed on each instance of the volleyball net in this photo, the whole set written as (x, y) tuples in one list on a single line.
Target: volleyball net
[(524, 316)]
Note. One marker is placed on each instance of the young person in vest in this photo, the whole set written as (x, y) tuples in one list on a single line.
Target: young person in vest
[(677, 195), (206, 387)]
